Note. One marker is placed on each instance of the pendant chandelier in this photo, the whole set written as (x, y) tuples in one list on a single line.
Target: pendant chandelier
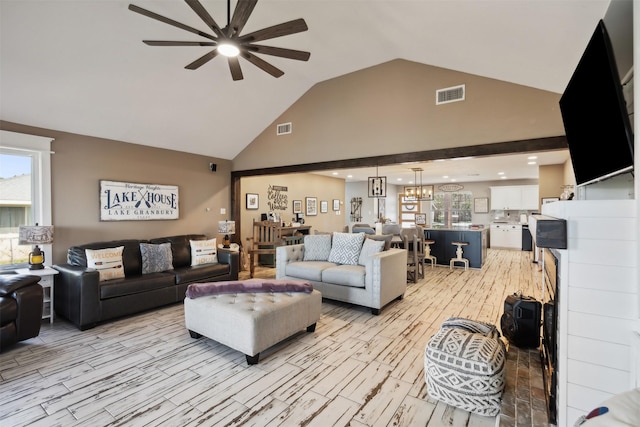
[(419, 191)]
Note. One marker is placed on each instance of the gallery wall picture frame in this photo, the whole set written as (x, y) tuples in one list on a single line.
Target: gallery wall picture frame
[(324, 206), (481, 205), (253, 201), (421, 219), (311, 206), (336, 204), (297, 206)]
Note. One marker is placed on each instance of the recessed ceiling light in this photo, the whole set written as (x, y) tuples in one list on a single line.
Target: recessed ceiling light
[(399, 179), (532, 157), (532, 163), (335, 173), (453, 180), (349, 176), (500, 173), (503, 177), (445, 176)]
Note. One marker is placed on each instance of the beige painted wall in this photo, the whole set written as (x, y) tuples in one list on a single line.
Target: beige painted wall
[(551, 178), (80, 162), (298, 186), (390, 109)]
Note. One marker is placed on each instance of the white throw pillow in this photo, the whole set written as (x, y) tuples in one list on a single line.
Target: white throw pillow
[(369, 248), (203, 252), (345, 248), (317, 247), (107, 261)]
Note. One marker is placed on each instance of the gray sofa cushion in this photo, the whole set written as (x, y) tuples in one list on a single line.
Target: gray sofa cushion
[(307, 270), (317, 247), (345, 275)]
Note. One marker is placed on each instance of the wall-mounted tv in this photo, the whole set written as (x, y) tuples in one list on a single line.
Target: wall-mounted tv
[(595, 116)]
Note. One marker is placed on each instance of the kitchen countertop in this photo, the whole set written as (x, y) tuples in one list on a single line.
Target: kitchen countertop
[(463, 228)]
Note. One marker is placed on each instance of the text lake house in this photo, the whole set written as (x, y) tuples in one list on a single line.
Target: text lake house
[(121, 201)]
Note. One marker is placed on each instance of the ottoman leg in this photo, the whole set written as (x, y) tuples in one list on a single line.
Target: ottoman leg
[(253, 360), (311, 328), (194, 334)]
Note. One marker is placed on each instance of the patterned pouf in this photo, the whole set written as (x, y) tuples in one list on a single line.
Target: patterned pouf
[(464, 364)]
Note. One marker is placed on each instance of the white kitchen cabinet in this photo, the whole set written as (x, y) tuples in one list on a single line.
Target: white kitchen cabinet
[(504, 235), (530, 199), (514, 197)]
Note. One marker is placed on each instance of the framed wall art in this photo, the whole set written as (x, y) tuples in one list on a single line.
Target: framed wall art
[(324, 206), (132, 201), (311, 205), (336, 204), (546, 200), (297, 206), (253, 201), (421, 219)]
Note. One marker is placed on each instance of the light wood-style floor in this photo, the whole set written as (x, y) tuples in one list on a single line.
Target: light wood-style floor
[(356, 369)]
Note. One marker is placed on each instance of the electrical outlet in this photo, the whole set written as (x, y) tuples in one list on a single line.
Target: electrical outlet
[(223, 211)]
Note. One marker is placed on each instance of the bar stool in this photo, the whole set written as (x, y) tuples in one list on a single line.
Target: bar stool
[(427, 252), (459, 257)]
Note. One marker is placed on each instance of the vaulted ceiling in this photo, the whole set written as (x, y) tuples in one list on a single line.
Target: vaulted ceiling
[(81, 66)]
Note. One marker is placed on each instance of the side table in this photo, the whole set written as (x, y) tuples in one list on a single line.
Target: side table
[(46, 281)]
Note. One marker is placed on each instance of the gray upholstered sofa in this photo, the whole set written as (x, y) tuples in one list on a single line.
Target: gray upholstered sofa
[(349, 269)]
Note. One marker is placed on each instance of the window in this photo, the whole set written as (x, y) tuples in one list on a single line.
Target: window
[(452, 209), (25, 192)]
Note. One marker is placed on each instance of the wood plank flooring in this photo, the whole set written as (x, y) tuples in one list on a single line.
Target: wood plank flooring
[(356, 369)]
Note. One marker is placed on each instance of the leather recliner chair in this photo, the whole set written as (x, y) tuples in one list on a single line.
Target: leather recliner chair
[(20, 308)]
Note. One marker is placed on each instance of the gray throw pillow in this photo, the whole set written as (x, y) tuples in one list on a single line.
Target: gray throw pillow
[(345, 248), (156, 258), (317, 247), (370, 247)]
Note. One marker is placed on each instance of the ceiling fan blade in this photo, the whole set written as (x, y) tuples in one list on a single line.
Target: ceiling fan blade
[(298, 55), (170, 43), (263, 65), (169, 21), (205, 16), (284, 29), (240, 16), (202, 60), (234, 66)]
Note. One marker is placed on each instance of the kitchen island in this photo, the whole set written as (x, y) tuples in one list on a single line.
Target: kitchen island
[(443, 250)]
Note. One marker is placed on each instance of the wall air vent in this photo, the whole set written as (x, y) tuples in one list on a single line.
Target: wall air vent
[(450, 94), (283, 128)]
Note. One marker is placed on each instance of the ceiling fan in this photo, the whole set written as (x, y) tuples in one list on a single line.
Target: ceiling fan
[(229, 42)]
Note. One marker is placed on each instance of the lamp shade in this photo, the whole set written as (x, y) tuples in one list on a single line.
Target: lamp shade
[(35, 234), (227, 227)]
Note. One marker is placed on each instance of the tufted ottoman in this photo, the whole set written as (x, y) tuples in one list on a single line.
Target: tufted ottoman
[(251, 322), (464, 365)]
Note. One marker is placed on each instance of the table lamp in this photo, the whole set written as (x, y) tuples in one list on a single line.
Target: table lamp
[(226, 228), (35, 235)]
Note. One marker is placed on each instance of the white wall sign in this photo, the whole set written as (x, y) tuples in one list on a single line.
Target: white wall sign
[(127, 201)]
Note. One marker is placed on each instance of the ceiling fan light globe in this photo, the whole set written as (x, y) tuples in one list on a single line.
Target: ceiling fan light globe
[(228, 49)]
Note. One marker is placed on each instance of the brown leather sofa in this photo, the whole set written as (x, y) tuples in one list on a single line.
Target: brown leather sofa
[(85, 301), (20, 308)]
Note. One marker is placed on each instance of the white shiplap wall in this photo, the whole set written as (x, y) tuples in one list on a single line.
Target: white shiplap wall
[(599, 299)]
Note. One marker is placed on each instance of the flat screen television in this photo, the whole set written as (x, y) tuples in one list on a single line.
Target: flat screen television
[(596, 121)]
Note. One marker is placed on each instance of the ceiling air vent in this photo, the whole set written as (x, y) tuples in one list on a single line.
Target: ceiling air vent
[(283, 128), (450, 94)]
